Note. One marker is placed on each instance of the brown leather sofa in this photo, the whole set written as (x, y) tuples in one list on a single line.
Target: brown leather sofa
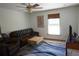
[(24, 35), (15, 40)]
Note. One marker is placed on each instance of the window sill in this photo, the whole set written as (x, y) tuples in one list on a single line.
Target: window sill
[(53, 35)]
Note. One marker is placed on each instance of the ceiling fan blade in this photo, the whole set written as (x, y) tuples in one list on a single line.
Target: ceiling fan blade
[(38, 8), (35, 5), (23, 3)]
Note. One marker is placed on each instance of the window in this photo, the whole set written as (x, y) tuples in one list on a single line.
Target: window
[(54, 25)]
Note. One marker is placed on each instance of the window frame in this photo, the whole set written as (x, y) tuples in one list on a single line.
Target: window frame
[(53, 16)]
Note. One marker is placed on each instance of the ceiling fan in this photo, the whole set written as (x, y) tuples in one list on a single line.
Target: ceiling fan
[(30, 6)]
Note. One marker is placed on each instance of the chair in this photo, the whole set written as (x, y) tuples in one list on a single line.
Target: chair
[(12, 45)]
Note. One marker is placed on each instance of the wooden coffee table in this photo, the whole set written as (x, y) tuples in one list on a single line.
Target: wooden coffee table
[(35, 40)]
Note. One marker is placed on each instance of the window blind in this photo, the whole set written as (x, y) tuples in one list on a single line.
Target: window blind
[(53, 16)]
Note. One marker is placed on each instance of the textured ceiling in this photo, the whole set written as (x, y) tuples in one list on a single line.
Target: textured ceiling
[(45, 6)]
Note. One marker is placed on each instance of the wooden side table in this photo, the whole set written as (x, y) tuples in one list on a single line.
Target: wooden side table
[(73, 45), (73, 48), (35, 40)]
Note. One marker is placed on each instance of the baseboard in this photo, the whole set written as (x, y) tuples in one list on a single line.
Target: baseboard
[(54, 39)]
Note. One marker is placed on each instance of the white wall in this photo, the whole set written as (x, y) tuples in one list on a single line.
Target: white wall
[(67, 16), (78, 18), (11, 20)]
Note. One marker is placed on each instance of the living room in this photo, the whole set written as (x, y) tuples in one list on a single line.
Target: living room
[(15, 18)]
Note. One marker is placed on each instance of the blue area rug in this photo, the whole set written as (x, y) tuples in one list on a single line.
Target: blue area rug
[(43, 49)]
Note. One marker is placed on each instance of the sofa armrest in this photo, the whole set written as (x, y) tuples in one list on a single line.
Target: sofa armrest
[(12, 40)]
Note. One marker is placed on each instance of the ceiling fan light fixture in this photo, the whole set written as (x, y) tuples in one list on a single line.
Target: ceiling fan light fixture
[(30, 6), (29, 10)]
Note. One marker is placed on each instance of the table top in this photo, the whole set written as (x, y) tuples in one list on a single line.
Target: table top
[(73, 45), (36, 38)]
